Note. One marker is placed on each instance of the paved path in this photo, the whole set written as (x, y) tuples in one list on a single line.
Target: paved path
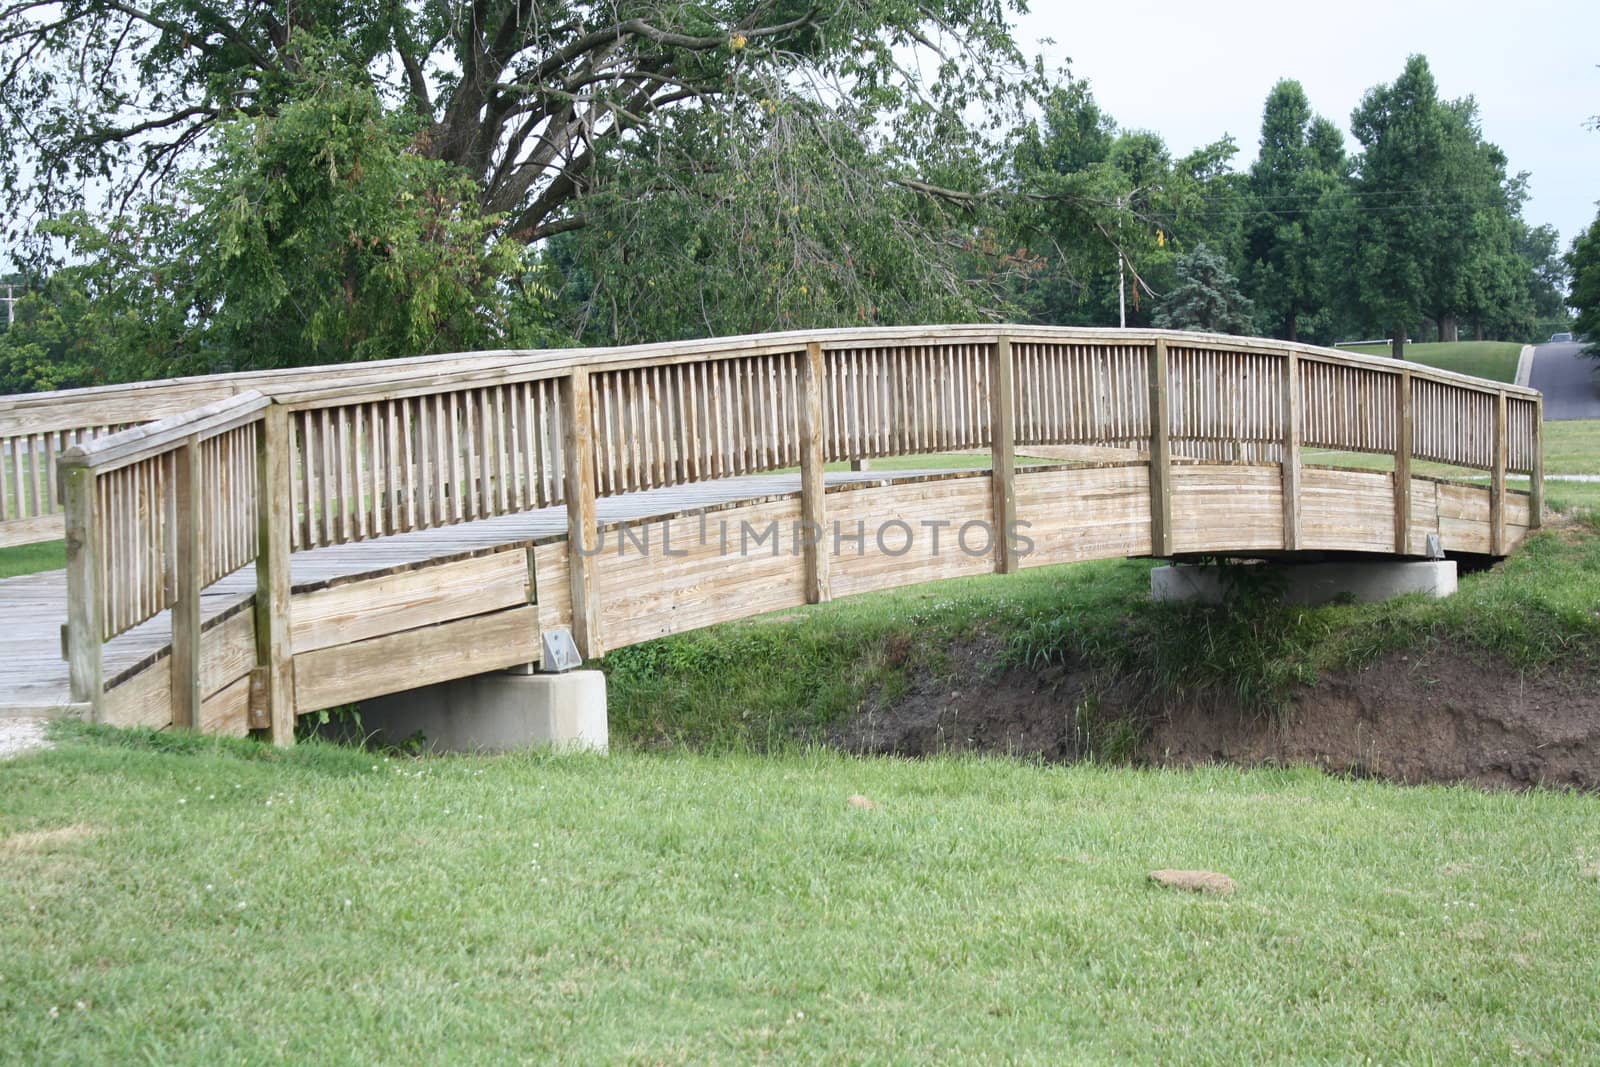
[(1569, 380)]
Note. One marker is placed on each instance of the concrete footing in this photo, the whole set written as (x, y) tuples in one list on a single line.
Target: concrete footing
[(1315, 583), (496, 713)]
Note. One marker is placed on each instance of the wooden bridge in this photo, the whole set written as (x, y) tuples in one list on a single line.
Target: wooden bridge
[(245, 548)]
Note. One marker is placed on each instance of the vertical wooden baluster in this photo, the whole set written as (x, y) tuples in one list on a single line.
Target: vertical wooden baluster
[(1160, 455), (813, 487), (1003, 457), (1290, 406), (1402, 463), (1497, 485), (577, 412), (1536, 476), (455, 483), (546, 465)]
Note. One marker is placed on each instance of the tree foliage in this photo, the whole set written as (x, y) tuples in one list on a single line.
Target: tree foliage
[(1301, 163), (1206, 297), (524, 99), (1584, 262)]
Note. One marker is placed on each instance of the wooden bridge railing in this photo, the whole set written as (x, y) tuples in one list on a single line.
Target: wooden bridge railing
[(157, 512)]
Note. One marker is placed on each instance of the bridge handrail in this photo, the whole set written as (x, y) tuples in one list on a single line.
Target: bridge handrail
[(35, 429), (157, 512), (163, 435)]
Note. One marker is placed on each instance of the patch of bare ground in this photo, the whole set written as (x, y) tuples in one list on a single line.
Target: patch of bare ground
[(28, 842), (1446, 716)]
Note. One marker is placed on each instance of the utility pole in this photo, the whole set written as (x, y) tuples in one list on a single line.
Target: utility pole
[(1122, 287), (1122, 301), (11, 305)]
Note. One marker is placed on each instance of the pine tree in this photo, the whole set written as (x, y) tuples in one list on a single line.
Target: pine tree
[(1206, 297)]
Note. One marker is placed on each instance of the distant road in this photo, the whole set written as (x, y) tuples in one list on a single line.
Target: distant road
[(1569, 380)]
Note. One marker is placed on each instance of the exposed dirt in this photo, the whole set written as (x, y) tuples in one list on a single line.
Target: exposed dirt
[(1442, 717)]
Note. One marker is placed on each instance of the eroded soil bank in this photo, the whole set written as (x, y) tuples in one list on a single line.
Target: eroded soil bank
[(1446, 716)]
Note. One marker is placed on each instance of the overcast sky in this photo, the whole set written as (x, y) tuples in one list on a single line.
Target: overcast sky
[(1194, 71)]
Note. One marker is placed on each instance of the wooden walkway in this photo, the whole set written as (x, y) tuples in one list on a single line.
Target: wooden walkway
[(33, 673), (280, 542)]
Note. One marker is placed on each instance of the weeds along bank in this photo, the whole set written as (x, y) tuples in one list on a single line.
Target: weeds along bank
[(1496, 685)]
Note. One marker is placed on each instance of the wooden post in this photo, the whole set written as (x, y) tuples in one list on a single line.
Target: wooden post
[(577, 404), (1003, 446), (186, 513), (1291, 451), (1497, 484), (1402, 464), (1536, 477), (274, 529), (813, 486), (1160, 454), (85, 649)]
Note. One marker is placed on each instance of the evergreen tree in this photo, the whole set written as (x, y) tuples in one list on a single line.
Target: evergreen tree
[(1206, 297)]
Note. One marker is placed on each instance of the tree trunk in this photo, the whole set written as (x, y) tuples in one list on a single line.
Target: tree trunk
[(1294, 325), (1397, 343), (1447, 329), (1477, 329)]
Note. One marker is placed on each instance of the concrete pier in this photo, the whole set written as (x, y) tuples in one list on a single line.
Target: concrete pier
[(497, 713), (1315, 583)]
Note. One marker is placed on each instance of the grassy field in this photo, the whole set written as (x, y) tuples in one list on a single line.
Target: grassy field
[(30, 559), (179, 901), (1495, 360)]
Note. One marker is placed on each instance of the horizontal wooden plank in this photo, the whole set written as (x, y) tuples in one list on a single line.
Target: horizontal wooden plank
[(1343, 510), (552, 582), (357, 611), (1084, 513), (227, 651), (329, 677), (1226, 508), (145, 699), (31, 531), (228, 710), (713, 575)]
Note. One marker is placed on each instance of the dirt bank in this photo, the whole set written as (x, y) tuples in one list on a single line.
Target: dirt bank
[(1446, 716)]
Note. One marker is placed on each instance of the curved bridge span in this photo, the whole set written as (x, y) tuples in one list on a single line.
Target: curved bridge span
[(280, 542)]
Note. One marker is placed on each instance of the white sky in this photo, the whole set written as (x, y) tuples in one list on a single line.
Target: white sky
[(1194, 71)]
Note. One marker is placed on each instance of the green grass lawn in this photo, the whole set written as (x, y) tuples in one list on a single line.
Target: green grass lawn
[(182, 901), (30, 559), (1495, 360)]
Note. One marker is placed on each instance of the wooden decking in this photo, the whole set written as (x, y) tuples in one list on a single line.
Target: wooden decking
[(33, 674)]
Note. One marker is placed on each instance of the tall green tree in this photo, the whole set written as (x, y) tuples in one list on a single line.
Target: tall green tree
[(1429, 222), (1393, 218), (1300, 162), (1583, 260)]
